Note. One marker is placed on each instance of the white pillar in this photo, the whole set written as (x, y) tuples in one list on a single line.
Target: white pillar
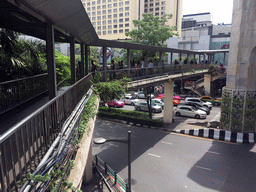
[(168, 101), (207, 83)]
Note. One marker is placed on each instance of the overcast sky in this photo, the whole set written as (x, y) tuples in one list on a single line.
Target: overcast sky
[(220, 9)]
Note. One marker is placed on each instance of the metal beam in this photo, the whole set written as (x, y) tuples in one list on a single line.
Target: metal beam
[(72, 60)]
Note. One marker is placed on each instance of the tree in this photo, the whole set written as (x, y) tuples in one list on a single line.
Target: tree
[(111, 90), (152, 30)]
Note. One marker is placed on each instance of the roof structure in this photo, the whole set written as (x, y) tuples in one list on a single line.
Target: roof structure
[(69, 19)]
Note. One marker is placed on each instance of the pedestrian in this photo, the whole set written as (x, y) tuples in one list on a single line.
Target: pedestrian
[(150, 66)]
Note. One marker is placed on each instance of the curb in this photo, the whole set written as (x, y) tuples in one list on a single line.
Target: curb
[(222, 135)]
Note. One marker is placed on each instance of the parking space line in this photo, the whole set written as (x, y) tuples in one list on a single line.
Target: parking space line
[(204, 168), (213, 152), (166, 143), (154, 155)]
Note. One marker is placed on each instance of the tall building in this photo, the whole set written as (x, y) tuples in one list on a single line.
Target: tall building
[(112, 18)]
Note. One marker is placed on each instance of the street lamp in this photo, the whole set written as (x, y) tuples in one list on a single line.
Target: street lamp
[(128, 142)]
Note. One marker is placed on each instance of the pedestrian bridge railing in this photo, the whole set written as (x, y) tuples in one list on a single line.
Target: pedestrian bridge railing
[(24, 145)]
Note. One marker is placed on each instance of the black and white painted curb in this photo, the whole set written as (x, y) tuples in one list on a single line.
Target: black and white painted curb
[(220, 135)]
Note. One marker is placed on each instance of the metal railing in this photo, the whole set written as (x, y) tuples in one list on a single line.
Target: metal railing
[(116, 178), (16, 92), (24, 145)]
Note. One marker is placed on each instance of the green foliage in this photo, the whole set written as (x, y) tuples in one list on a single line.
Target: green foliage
[(111, 90), (62, 66), (151, 30)]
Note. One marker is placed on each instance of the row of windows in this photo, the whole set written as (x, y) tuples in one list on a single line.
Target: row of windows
[(110, 31), (109, 10), (104, 7), (109, 16), (151, 10), (109, 21), (163, 2), (151, 5), (109, 1), (114, 26)]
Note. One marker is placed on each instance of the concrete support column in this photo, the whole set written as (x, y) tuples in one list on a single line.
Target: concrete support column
[(168, 101), (88, 174), (51, 68), (87, 54), (82, 60), (207, 82), (104, 50), (171, 57), (128, 62), (72, 60)]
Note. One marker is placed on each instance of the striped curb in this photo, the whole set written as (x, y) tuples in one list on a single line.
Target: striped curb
[(220, 135)]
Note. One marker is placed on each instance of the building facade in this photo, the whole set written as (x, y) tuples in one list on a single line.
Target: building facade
[(112, 18)]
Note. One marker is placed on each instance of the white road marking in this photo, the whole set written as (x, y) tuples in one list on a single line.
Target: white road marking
[(113, 145), (154, 155), (213, 152), (166, 143), (204, 168)]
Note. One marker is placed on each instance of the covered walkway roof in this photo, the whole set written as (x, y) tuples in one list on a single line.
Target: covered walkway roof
[(69, 19)]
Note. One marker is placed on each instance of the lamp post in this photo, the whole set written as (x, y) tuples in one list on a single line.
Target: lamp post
[(128, 142)]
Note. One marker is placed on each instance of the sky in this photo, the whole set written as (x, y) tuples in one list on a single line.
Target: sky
[(221, 10)]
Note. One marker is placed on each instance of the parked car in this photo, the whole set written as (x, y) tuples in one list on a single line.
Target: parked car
[(215, 102), (115, 103), (130, 100), (198, 106), (189, 111), (198, 100), (158, 102), (143, 106), (175, 101), (140, 95)]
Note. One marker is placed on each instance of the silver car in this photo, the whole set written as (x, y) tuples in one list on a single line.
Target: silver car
[(143, 106)]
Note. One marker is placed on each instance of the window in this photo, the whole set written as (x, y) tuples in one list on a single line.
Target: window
[(121, 9), (104, 22), (121, 20), (162, 13), (104, 6), (110, 32), (121, 31), (88, 8), (121, 3), (146, 5), (126, 2), (157, 14), (109, 11), (104, 12), (99, 23), (98, 12), (104, 17), (146, 1), (93, 8), (109, 21), (98, 2), (145, 10), (157, 4), (99, 28), (93, 3), (114, 10), (151, 4), (126, 13), (115, 5), (105, 27), (93, 13), (89, 14), (115, 21), (151, 0), (126, 19), (162, 8), (126, 30), (109, 5), (99, 33), (98, 7), (109, 16), (126, 24), (115, 31), (126, 8), (157, 9), (151, 9), (121, 25), (103, 1), (109, 1), (115, 15), (99, 17), (121, 14), (110, 27), (93, 18), (115, 26), (104, 32), (88, 4), (163, 3)]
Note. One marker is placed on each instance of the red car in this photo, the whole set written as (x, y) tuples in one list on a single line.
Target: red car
[(175, 101), (115, 103)]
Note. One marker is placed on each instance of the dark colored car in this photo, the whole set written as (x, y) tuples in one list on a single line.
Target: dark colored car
[(198, 106)]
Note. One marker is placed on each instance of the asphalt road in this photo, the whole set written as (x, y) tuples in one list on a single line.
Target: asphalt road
[(172, 162)]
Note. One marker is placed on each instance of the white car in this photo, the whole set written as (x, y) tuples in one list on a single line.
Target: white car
[(189, 111), (130, 100), (198, 100), (140, 95), (143, 106), (158, 102)]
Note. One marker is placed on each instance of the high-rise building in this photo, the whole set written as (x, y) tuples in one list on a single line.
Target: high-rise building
[(112, 18)]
